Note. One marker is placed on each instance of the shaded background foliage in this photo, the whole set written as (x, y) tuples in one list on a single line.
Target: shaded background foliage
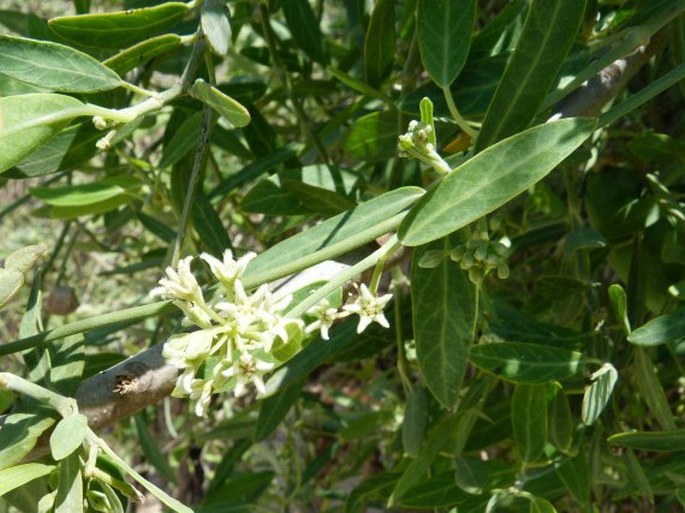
[(560, 386)]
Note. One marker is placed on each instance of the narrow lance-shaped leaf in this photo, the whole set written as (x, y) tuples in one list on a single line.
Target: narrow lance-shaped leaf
[(444, 317), (658, 441), (664, 328), (444, 30), (576, 474), (492, 178), (20, 433), (649, 387), (529, 420), (379, 44), (526, 363), (14, 477), (235, 113), (127, 59), (121, 28), (550, 29), (69, 497), (215, 25), (438, 437), (54, 66), (333, 237), (304, 28)]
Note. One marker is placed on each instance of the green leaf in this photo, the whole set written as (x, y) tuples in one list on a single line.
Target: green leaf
[(215, 25), (658, 441), (235, 113), (439, 492), (151, 449), (208, 225), (492, 178), (379, 43), (619, 305), (331, 238), (540, 505), (69, 497), (444, 32), (67, 149), (273, 410), (54, 66), (575, 474), (438, 437), (318, 199), (139, 54), (28, 121), (183, 140), (19, 435), (68, 435), (376, 487), (415, 422), (637, 476), (526, 363), (85, 194), (444, 316), (267, 197), (256, 169), (561, 424), (304, 27), (373, 137), (598, 394), (11, 282), (529, 420), (663, 329), (121, 28), (649, 387), (471, 474), (68, 361), (14, 477), (551, 27)]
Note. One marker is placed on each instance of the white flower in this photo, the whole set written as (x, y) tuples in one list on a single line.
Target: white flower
[(179, 283), (228, 270), (202, 392), (369, 307), (326, 315)]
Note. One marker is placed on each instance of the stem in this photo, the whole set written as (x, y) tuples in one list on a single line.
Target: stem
[(154, 490), (129, 315), (380, 265), (198, 165), (461, 122), (158, 100), (343, 277), (64, 405), (402, 364)]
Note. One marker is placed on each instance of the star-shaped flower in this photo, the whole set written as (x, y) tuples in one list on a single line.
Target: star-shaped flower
[(369, 307)]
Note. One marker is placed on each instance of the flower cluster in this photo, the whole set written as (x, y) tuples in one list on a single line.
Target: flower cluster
[(241, 336), (477, 257)]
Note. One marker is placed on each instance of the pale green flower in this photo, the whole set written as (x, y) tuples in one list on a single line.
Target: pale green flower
[(325, 315), (179, 283), (228, 269), (369, 307)]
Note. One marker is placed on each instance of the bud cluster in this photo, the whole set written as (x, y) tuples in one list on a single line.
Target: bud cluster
[(478, 257), (419, 141)]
